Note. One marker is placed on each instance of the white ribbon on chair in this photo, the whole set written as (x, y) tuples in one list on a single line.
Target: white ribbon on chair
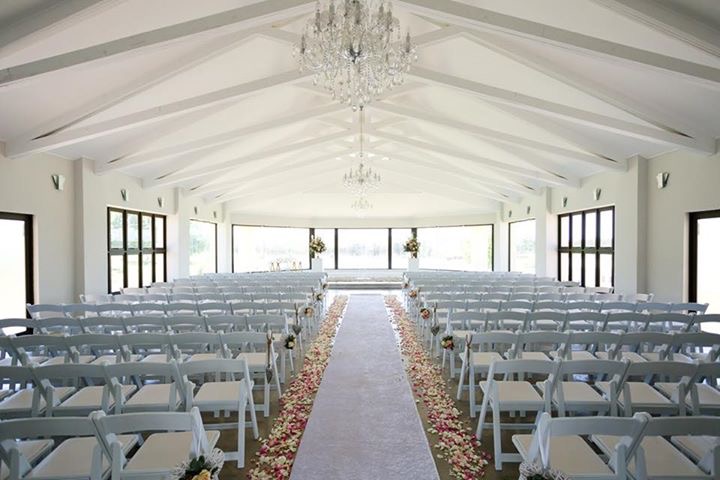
[(199, 445)]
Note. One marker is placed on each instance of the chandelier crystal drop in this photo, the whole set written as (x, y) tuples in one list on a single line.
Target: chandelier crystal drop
[(355, 50), (362, 179)]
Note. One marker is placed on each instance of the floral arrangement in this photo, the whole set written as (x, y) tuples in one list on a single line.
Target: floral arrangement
[(455, 441), (534, 471), (412, 246), (317, 246), (290, 341), (413, 293), (201, 468), (425, 313), (309, 312), (277, 452), (447, 342)]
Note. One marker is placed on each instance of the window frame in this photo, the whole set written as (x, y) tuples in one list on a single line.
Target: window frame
[(124, 252), (583, 250), (28, 221), (693, 218), (232, 243), (216, 240), (510, 224)]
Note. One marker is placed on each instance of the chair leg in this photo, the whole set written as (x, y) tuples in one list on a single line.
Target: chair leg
[(241, 436), (481, 420), (461, 380), (497, 439), (471, 391), (266, 398), (451, 353)]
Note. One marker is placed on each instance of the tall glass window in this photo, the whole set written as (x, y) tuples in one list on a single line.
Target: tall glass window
[(328, 237), (399, 257), (456, 248), (260, 248), (586, 252), (136, 249), (363, 248), (522, 246), (203, 247), (704, 262)]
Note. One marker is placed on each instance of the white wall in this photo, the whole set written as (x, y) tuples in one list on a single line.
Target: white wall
[(26, 187)]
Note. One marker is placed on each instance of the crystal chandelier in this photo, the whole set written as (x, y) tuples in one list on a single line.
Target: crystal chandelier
[(362, 179), (355, 50), (361, 204)]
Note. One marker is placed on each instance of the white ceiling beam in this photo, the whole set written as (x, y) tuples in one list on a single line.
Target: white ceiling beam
[(246, 16), (500, 137), (53, 17), (470, 16), (310, 184), (218, 170), (271, 172), (653, 114), (669, 22), (507, 169), (76, 135), (221, 139), (534, 104), (136, 86)]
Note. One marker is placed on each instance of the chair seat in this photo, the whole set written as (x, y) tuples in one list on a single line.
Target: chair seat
[(676, 357), (462, 334), (696, 446), (661, 457), (569, 454), (546, 324), (112, 359), (707, 395), (516, 392), (225, 393), (533, 356), (61, 360), (255, 360), (21, 401), (641, 393), (630, 356), (32, 450), (484, 359), (581, 393), (73, 458), (511, 324), (91, 398), (155, 358), (196, 357), (577, 355), (152, 397), (162, 452)]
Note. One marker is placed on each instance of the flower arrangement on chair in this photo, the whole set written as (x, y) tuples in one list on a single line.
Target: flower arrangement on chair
[(201, 468), (537, 472), (447, 342), (319, 296), (425, 313), (413, 293), (309, 312), (317, 246), (290, 342), (412, 246)]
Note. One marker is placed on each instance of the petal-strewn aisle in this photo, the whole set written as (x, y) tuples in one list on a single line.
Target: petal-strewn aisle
[(364, 423)]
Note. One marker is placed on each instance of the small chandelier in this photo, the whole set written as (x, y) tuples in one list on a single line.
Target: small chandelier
[(355, 51), (361, 204), (362, 179)]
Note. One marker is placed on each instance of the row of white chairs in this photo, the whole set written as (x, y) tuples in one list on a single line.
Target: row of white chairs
[(230, 307), (611, 320), (99, 446), (198, 297), (530, 297), (639, 448), (598, 387), (515, 289)]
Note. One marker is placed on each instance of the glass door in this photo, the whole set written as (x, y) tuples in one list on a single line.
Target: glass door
[(705, 259), (16, 266)]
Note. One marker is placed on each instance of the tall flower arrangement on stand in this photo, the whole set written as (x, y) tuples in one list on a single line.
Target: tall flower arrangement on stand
[(412, 246), (456, 443), (317, 246)]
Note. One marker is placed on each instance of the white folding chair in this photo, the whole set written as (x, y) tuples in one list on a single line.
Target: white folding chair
[(160, 387), (176, 437), (23, 397), (546, 320), (45, 310), (570, 395), (538, 345)]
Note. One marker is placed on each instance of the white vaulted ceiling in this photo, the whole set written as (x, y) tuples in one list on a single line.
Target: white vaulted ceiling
[(507, 97)]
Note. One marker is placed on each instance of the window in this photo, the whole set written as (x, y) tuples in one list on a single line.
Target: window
[(203, 247), (705, 259), (259, 248), (16, 266), (137, 254), (587, 247), (522, 246), (363, 247), (328, 236), (399, 258), (456, 248)]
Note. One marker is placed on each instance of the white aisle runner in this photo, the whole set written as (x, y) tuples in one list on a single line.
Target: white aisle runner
[(364, 423)]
